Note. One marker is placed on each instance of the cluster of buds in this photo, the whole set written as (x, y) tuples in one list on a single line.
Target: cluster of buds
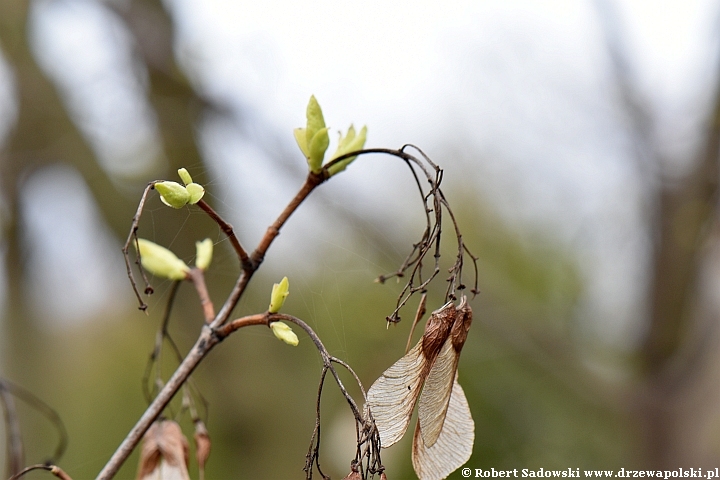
[(314, 140), (175, 195)]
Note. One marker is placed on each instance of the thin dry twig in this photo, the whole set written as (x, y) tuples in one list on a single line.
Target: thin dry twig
[(16, 391), (54, 469), (434, 203), (132, 237), (16, 456)]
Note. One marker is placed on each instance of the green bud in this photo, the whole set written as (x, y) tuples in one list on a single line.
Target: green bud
[(350, 143), (301, 140), (185, 176), (284, 333), (318, 145), (160, 261), (172, 194), (195, 193), (279, 292), (203, 254), (313, 140), (315, 120)]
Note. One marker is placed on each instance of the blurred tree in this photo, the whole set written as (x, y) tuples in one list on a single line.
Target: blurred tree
[(44, 134), (534, 400), (674, 397)]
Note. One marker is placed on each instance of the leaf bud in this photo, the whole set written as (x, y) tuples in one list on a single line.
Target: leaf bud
[(185, 176), (160, 261), (203, 254), (195, 193), (172, 194), (318, 146), (313, 140), (350, 143), (301, 140), (284, 333), (279, 292)]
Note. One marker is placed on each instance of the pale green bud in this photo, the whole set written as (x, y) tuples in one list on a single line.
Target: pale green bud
[(203, 254), (301, 140), (160, 261), (185, 176), (279, 292), (315, 120), (284, 333), (172, 194), (195, 193), (317, 147), (313, 140), (350, 143)]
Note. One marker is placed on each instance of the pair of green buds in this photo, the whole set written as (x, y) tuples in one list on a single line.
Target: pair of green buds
[(162, 262), (314, 140), (281, 330)]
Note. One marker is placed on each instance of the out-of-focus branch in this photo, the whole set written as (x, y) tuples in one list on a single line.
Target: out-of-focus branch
[(685, 210), (16, 457)]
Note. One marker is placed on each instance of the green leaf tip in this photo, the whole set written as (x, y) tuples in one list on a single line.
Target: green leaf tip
[(349, 143), (279, 292), (203, 254), (185, 176)]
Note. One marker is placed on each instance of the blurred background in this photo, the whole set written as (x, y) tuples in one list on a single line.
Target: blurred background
[(580, 147)]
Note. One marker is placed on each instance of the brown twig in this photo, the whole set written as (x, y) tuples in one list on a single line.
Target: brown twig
[(54, 469), (434, 202), (311, 182), (368, 446), (37, 404), (16, 456), (132, 236), (228, 230), (197, 276)]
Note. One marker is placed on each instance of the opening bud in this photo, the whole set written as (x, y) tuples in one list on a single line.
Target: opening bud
[(172, 194), (313, 140), (195, 193), (160, 261), (279, 292), (348, 143), (284, 333)]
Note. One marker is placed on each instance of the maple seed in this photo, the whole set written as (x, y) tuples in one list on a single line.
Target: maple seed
[(427, 376), (164, 453), (202, 445)]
